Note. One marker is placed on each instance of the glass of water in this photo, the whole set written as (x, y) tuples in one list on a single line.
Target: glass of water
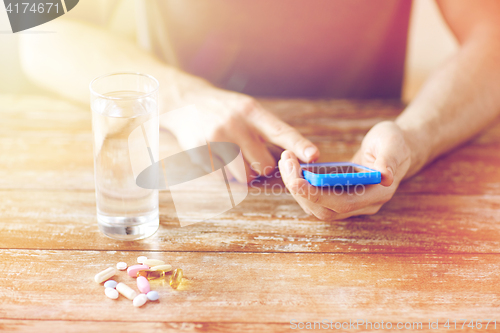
[(125, 135)]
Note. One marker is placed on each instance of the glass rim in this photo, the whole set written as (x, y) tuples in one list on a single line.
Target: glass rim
[(124, 73)]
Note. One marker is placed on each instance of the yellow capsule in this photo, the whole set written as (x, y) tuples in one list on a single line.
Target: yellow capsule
[(176, 278), (165, 268), (151, 275)]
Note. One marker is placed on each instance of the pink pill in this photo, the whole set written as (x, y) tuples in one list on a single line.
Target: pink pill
[(132, 270), (143, 285)]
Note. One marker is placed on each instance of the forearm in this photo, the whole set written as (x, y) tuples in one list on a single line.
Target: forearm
[(66, 61), (456, 103)]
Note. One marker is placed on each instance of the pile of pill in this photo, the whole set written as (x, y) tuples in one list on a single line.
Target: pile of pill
[(146, 270)]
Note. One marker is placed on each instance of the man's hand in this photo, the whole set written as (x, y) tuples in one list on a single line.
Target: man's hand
[(237, 118), (384, 148), (231, 116)]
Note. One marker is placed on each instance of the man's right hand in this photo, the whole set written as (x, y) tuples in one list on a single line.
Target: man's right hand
[(238, 118), (234, 117)]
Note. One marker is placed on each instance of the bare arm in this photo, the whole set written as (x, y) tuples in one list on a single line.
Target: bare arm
[(463, 96), (458, 101), (66, 61)]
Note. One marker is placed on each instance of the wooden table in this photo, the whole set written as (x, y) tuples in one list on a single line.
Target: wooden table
[(430, 254)]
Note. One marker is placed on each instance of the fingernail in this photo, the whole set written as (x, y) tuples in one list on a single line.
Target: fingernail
[(390, 170), (310, 151), (289, 167)]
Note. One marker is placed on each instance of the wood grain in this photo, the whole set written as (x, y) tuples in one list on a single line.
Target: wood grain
[(407, 224), (255, 287), (9, 325), (431, 253), (52, 148)]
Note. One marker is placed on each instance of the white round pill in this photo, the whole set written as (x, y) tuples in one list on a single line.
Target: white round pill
[(111, 293), (121, 266), (153, 295), (141, 259), (110, 284), (140, 300)]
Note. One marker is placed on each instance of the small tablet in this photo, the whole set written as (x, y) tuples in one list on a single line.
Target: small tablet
[(339, 174)]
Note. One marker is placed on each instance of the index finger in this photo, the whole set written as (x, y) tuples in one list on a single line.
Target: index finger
[(280, 133)]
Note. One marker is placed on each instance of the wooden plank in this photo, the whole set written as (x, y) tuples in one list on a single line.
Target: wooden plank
[(407, 224), (19, 326), (251, 287), (423, 257), (66, 163), (42, 116), (29, 326), (51, 148)]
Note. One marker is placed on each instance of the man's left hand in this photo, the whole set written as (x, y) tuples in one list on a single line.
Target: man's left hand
[(384, 149)]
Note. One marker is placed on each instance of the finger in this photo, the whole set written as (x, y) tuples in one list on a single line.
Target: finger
[(388, 155), (256, 154), (319, 212), (323, 202), (326, 214), (339, 199), (386, 162), (274, 150), (284, 171), (254, 150), (242, 175), (229, 175), (290, 171), (219, 162), (293, 176), (302, 202), (333, 216), (279, 133)]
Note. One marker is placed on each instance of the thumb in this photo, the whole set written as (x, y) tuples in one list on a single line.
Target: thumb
[(385, 143), (277, 132), (387, 163)]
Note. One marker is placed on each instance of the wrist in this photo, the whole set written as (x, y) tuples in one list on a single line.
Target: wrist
[(178, 89), (416, 146)]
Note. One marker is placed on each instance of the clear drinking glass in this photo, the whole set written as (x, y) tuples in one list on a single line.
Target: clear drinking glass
[(122, 103)]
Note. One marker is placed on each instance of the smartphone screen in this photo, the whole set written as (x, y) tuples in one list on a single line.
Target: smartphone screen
[(338, 169)]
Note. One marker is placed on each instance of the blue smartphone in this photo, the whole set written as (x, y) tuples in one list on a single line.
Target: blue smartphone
[(339, 174)]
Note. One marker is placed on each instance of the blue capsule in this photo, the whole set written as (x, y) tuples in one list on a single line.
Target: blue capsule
[(153, 295), (110, 284)]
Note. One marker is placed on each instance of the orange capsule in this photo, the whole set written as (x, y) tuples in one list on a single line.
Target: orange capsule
[(176, 278), (151, 275)]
